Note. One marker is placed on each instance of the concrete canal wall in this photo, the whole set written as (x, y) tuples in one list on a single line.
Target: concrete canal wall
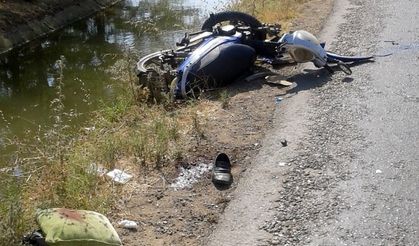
[(22, 21)]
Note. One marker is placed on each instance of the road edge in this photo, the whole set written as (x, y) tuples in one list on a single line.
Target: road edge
[(244, 221)]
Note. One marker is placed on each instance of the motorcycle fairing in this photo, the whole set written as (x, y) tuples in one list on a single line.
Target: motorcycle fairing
[(197, 55), (304, 47)]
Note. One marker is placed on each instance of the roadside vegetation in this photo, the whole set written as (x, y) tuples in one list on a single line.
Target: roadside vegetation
[(270, 11), (59, 167)]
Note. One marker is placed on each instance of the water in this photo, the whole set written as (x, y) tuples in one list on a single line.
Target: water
[(28, 75)]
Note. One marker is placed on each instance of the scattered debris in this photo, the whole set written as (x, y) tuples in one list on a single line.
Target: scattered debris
[(392, 42), (284, 142), (278, 100), (128, 224), (189, 176), (89, 129), (119, 176), (277, 79), (285, 83)]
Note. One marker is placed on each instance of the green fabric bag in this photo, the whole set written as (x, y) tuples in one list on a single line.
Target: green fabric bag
[(66, 227)]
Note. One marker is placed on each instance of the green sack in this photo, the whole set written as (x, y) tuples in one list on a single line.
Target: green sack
[(66, 227)]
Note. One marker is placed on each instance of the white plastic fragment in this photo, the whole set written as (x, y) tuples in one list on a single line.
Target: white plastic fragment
[(278, 79), (119, 176), (128, 224), (90, 129), (378, 171), (285, 83)]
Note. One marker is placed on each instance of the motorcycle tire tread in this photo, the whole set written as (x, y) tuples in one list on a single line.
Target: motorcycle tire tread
[(234, 16)]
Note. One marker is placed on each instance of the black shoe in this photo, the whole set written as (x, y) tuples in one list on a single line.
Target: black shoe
[(221, 172)]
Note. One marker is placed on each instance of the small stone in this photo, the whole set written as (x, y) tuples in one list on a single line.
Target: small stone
[(284, 142), (275, 242), (282, 164), (378, 171)]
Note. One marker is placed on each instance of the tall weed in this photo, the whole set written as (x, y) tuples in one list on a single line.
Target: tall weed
[(270, 11)]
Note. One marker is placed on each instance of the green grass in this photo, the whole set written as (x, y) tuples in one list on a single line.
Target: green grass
[(224, 98)]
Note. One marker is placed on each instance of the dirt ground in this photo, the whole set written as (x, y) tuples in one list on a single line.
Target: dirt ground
[(187, 216)]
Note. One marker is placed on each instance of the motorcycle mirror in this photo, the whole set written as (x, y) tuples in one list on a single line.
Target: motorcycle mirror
[(185, 40)]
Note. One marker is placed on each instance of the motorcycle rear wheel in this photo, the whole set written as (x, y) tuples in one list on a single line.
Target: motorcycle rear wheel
[(235, 17)]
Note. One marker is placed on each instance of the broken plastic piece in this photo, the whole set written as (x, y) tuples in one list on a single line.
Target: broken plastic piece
[(119, 176), (276, 79)]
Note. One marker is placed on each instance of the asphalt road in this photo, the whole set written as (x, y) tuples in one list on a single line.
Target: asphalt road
[(350, 174)]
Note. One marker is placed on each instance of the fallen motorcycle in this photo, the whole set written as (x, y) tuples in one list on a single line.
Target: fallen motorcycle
[(226, 48)]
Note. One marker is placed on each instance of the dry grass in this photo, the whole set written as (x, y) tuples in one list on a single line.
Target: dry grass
[(270, 11)]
